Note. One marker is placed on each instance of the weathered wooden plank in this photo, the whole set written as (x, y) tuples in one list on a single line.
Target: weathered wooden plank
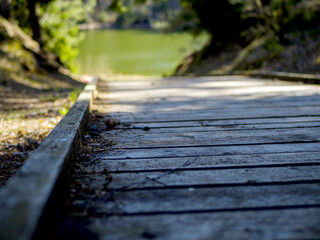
[(214, 115), (144, 109), (213, 102), (195, 151), (145, 139), (215, 177), (275, 224), (24, 198), (225, 123), (156, 107), (205, 199), (162, 104), (210, 102), (298, 77), (136, 129), (205, 162)]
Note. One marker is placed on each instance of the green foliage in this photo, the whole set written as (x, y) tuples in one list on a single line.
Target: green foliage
[(118, 6), (132, 14), (127, 13), (74, 95), (73, 98), (187, 19), (220, 18), (102, 17), (273, 44), (20, 14), (280, 17), (240, 22), (59, 22), (63, 111)]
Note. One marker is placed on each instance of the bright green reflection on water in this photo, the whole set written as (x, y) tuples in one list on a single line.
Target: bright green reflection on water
[(138, 52)]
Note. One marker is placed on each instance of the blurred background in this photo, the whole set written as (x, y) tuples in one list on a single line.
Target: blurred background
[(45, 45), (153, 37)]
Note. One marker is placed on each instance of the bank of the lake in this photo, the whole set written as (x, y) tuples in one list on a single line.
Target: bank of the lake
[(134, 52), (300, 55)]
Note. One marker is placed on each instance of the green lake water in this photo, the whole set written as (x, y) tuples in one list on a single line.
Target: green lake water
[(134, 52)]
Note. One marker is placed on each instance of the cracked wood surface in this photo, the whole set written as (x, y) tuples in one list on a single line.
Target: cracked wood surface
[(207, 158)]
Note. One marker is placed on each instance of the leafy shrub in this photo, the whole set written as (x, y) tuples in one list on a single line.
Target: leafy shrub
[(59, 22)]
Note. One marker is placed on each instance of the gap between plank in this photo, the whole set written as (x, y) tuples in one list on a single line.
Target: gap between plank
[(187, 156), (304, 164), (218, 185), (225, 118), (199, 211), (213, 145)]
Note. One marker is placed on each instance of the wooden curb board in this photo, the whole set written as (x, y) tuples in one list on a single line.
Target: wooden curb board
[(26, 195)]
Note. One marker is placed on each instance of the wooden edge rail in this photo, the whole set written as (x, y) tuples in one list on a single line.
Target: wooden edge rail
[(299, 77), (26, 195)]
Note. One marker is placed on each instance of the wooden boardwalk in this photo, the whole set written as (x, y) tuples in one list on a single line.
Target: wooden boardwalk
[(209, 158)]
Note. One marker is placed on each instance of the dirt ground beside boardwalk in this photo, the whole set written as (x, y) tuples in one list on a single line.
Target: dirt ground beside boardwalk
[(28, 113)]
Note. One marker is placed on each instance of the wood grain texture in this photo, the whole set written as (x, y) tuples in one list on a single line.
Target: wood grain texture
[(215, 177), (209, 150), (214, 162), (183, 200), (214, 137), (268, 224)]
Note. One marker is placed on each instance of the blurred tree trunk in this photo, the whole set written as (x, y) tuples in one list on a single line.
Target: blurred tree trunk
[(282, 31), (265, 2), (34, 21), (6, 8)]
